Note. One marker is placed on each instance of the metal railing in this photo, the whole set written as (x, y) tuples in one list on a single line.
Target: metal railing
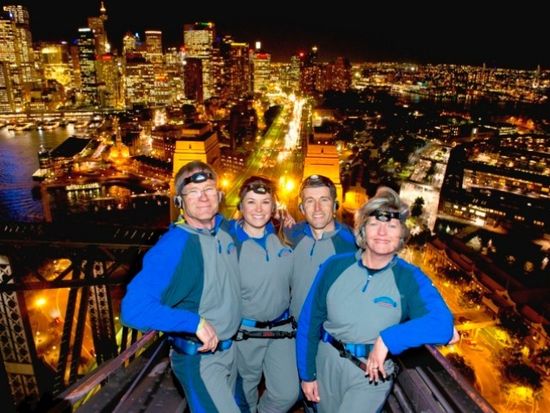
[(427, 382), (117, 374)]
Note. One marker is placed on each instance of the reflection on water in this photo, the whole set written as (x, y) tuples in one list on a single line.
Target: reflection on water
[(18, 161), (127, 203)]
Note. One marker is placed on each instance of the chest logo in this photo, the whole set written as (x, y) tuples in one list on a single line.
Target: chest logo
[(385, 301), (285, 252), (230, 248)]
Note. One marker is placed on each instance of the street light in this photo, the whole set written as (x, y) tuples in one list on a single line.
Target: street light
[(520, 394), (224, 182), (40, 302)]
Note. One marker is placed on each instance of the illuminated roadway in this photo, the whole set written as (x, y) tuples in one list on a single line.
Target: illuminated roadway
[(276, 156)]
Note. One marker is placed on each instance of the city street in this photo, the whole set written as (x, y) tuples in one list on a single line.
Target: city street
[(481, 345)]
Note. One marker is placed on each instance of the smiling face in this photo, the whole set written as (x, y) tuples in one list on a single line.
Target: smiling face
[(200, 203), (256, 210), (318, 208), (382, 238)]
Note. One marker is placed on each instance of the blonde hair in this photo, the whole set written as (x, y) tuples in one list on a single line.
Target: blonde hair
[(385, 199)]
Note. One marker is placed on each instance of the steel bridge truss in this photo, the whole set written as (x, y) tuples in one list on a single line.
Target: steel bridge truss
[(89, 263)]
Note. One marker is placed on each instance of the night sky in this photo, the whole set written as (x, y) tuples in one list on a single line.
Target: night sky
[(447, 32)]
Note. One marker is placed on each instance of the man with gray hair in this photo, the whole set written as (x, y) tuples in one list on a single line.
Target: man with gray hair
[(189, 288)]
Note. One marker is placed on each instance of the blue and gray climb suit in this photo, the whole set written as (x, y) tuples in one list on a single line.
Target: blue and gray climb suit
[(192, 273), (265, 266), (354, 305), (310, 253)]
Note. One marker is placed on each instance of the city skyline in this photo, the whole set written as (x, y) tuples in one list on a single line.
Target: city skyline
[(469, 34)]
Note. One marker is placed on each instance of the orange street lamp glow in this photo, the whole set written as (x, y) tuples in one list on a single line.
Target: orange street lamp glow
[(289, 185), (224, 182), (521, 393), (40, 302)]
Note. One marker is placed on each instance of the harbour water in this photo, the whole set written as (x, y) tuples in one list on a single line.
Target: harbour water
[(18, 161)]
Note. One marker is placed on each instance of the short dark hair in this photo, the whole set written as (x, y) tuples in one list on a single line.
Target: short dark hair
[(316, 181)]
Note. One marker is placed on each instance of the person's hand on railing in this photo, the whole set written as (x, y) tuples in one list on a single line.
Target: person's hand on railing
[(207, 335), (375, 361)]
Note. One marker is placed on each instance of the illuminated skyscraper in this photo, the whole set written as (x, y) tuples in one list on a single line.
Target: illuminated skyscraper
[(56, 65), (294, 73), (240, 74), (16, 51), (129, 43), (310, 72), (261, 67), (174, 59), (6, 90), (87, 60), (193, 79), (199, 40), (139, 80), (109, 81), (153, 46), (97, 24), (338, 75), (160, 93)]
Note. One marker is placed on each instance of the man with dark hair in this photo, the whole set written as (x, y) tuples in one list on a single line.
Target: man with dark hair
[(317, 238), (189, 288)]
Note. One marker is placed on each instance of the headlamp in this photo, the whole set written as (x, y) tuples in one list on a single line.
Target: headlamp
[(197, 178), (385, 216), (258, 188)]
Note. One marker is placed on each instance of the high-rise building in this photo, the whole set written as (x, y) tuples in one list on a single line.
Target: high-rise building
[(160, 93), (109, 81), (153, 46), (218, 70), (293, 79), (87, 60), (174, 65), (239, 71), (56, 65), (6, 89), (97, 24), (16, 51), (23, 42), (193, 79), (140, 79), (338, 75), (129, 43), (261, 67), (199, 42)]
